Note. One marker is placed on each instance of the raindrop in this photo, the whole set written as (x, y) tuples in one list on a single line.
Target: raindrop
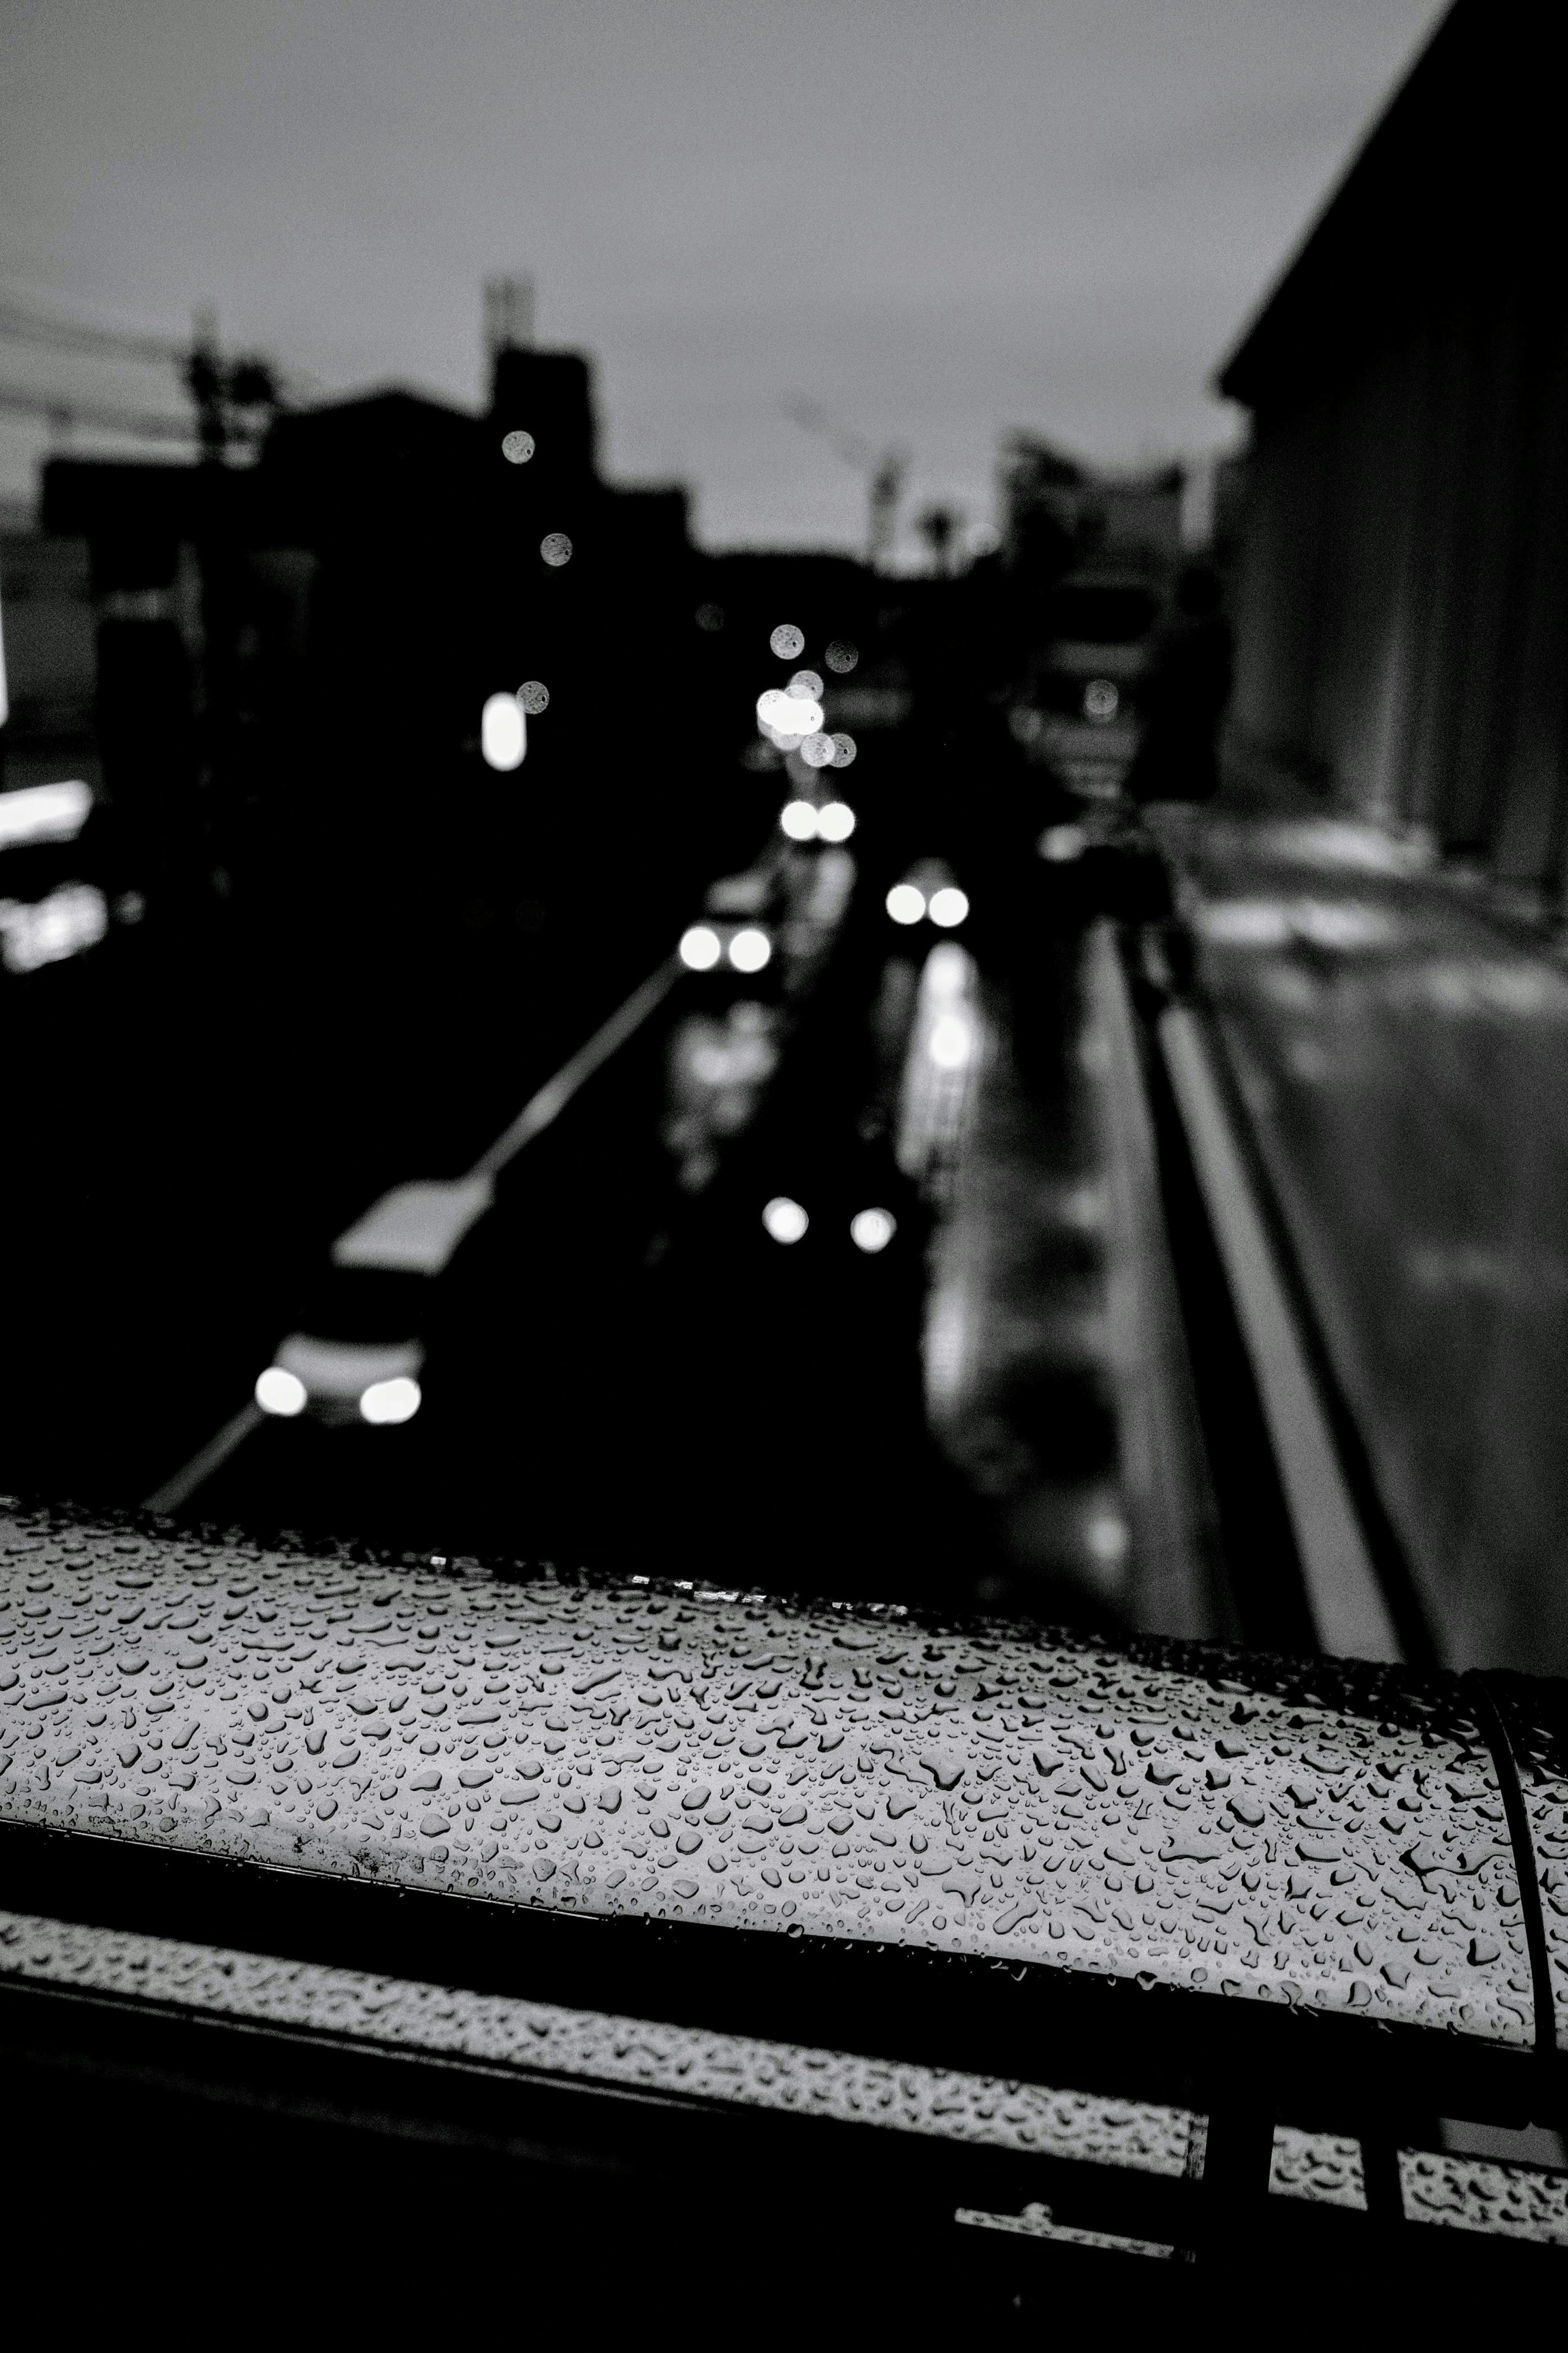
[(517, 448), (787, 641), (555, 548)]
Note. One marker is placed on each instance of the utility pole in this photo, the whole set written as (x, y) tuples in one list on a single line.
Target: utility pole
[(509, 316)]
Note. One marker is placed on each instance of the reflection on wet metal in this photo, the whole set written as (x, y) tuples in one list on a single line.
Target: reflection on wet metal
[(1325, 2168), (220, 1985), (1479, 2194), (539, 2038)]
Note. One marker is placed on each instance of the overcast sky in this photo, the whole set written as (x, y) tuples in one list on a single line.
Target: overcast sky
[(938, 218)]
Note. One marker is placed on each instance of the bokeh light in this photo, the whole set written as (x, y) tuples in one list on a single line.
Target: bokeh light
[(280, 1392), (517, 448), (836, 822), (798, 819), (699, 948), (786, 1219), (948, 906), (790, 715), (841, 656), (872, 1229), (818, 751), (555, 548), (905, 904), (844, 750), (390, 1401), (951, 1039), (534, 696), (1100, 699), (503, 733), (750, 949), (807, 685), (787, 641)]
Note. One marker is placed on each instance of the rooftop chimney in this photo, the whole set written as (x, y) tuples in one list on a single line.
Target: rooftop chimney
[(509, 318)]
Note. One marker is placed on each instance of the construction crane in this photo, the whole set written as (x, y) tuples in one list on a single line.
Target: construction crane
[(885, 470)]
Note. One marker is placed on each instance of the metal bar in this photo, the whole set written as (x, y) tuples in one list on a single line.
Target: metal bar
[(935, 1841), (1350, 1614)]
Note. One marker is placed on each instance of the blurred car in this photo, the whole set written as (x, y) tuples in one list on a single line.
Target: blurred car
[(737, 931), (341, 1380), (355, 1360), (928, 893)]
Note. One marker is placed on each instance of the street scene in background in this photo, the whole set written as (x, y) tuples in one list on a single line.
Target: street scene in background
[(983, 1080)]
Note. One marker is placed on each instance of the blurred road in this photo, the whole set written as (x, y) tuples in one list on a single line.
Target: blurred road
[(1402, 1056)]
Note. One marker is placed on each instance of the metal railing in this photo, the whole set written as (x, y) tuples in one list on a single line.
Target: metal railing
[(1053, 1925)]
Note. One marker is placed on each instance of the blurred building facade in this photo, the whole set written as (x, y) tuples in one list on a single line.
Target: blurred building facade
[(1402, 575), (1058, 512)]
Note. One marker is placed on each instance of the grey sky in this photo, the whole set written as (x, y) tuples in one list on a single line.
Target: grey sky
[(938, 217)]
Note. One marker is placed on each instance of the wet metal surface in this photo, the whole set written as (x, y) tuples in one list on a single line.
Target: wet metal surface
[(1534, 1716), (1311, 1835), (547, 2040), (1478, 2193)]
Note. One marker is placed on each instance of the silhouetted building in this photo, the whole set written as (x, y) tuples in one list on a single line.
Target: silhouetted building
[(50, 657), (1401, 594), (1058, 514)]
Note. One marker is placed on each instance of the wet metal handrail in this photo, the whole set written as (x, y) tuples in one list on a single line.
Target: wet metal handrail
[(1101, 1852)]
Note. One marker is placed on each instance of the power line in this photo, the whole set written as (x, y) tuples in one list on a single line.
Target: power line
[(20, 324), (18, 400)]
